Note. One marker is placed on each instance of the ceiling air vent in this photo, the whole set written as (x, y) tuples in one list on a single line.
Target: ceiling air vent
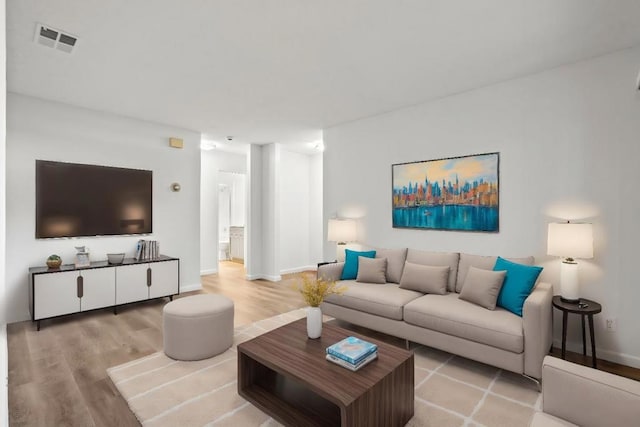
[(55, 39)]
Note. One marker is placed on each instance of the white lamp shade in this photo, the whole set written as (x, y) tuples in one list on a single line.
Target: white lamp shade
[(341, 230), (570, 240)]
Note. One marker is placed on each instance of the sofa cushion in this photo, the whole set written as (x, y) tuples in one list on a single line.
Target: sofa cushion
[(384, 300), (437, 259), (483, 262), (425, 278), (395, 262), (482, 287), (452, 316), (350, 270), (518, 284), (372, 270)]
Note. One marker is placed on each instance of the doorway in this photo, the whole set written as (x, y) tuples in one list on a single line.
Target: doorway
[(224, 222), (231, 216)]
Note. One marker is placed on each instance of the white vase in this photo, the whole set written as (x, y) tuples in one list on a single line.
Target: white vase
[(314, 322)]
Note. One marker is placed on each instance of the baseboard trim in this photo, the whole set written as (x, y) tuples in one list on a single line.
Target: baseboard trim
[(189, 288), (611, 356), (299, 269), (208, 271), (263, 277)]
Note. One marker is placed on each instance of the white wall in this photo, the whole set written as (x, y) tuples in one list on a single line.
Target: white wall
[(4, 373), (236, 182), (300, 188), (224, 212), (294, 211), (253, 230), (284, 223), (269, 188), (212, 162), (238, 200), (316, 237), (38, 129), (568, 143)]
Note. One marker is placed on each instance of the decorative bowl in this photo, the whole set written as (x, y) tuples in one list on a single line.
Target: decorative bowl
[(115, 258), (54, 261)]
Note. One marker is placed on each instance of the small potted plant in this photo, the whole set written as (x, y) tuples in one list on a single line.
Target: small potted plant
[(54, 261), (313, 291)]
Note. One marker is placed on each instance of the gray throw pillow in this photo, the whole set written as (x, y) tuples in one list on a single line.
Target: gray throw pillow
[(425, 278), (372, 270), (439, 259), (482, 287), (395, 262)]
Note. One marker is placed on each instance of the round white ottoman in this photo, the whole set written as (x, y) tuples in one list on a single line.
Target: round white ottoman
[(197, 327)]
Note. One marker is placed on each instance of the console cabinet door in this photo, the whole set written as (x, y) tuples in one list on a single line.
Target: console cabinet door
[(131, 283), (99, 288), (164, 279), (55, 294)]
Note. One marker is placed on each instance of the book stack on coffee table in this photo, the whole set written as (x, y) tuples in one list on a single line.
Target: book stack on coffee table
[(352, 353)]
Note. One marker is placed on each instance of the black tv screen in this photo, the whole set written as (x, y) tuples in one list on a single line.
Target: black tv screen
[(85, 200)]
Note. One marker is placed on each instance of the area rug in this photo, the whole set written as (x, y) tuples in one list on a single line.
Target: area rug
[(449, 390)]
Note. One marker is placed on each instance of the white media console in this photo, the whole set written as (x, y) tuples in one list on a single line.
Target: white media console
[(67, 290)]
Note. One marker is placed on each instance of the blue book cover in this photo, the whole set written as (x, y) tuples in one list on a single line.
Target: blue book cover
[(350, 360), (352, 349)]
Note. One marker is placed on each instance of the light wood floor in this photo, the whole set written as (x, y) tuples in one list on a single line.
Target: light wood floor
[(57, 376), (254, 300)]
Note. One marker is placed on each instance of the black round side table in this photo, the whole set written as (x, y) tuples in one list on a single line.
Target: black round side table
[(584, 308)]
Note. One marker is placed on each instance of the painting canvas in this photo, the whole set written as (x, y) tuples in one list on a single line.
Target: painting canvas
[(457, 193)]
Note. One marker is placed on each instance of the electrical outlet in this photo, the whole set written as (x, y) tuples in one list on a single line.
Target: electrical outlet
[(612, 324)]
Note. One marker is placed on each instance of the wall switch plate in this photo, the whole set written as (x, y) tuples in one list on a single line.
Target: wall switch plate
[(611, 324)]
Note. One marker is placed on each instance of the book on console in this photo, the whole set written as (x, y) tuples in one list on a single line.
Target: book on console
[(351, 366), (352, 350)]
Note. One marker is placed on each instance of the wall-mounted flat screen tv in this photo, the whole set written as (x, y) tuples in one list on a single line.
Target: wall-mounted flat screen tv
[(75, 200)]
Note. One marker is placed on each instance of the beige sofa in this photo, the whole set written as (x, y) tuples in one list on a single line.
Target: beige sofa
[(496, 337), (577, 395)]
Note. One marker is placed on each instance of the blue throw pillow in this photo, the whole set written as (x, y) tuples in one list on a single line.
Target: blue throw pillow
[(350, 269), (517, 285)]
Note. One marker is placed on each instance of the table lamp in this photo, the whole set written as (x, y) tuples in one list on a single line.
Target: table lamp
[(341, 231), (570, 241)]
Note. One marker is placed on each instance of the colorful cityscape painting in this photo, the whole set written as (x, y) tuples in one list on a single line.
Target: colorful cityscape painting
[(457, 193)]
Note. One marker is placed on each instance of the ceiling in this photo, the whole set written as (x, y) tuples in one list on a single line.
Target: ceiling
[(282, 70)]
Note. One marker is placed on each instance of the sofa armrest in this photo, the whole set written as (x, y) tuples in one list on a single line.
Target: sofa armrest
[(588, 397), (537, 328), (331, 271)]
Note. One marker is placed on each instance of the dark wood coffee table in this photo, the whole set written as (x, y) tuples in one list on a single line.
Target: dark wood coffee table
[(286, 375)]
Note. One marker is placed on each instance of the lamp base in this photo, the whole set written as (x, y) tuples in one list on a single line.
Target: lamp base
[(569, 290)]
